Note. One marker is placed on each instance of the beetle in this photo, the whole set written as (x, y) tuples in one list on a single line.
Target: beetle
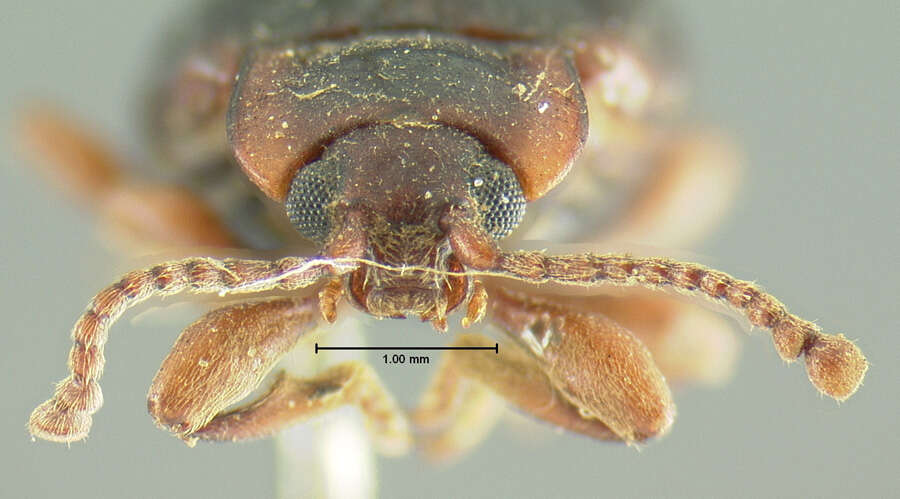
[(406, 139)]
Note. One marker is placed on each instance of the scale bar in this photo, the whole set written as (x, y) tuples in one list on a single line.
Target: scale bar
[(495, 348)]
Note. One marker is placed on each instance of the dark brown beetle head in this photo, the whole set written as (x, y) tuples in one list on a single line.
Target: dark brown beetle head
[(407, 196), (423, 162)]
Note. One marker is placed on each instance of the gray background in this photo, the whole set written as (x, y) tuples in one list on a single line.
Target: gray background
[(809, 88)]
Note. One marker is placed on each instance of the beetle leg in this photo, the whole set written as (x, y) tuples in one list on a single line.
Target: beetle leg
[(660, 187), (224, 356), (66, 417), (667, 198), (79, 163), (690, 185), (592, 363), (688, 343), (85, 168), (221, 358), (460, 406), (163, 217), (293, 400), (591, 376)]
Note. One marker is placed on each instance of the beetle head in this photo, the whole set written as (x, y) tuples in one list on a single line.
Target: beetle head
[(413, 198), (419, 175)]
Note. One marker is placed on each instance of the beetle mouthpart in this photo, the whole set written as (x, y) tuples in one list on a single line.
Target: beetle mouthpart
[(440, 325), (329, 297), (477, 306), (403, 301)]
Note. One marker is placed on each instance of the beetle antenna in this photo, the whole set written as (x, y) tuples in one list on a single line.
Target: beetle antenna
[(835, 365), (66, 417)]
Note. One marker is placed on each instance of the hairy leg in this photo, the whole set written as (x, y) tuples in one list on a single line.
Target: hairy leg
[(293, 400), (222, 357), (595, 364), (578, 371), (689, 343), (66, 417), (459, 408), (82, 167), (690, 185)]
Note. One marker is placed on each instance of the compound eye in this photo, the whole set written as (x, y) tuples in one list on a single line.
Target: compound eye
[(501, 201), (311, 199)]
